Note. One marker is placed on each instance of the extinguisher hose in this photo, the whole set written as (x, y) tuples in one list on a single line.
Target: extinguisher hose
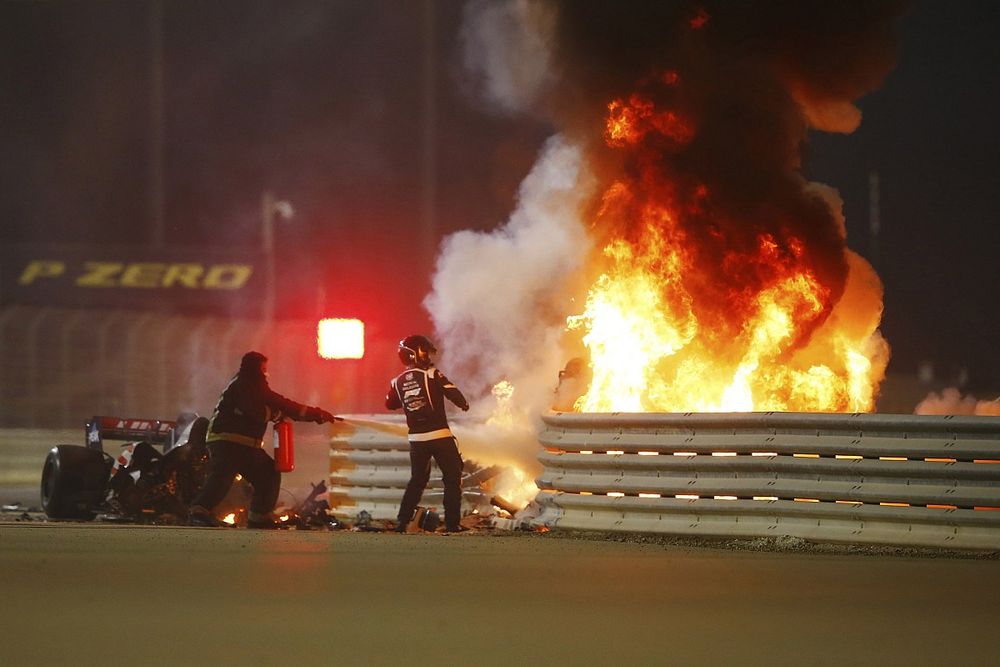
[(384, 427)]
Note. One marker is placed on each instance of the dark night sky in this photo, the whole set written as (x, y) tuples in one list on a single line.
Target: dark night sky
[(932, 134), (323, 102)]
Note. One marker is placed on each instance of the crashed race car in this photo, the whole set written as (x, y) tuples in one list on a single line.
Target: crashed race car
[(158, 472), (155, 475)]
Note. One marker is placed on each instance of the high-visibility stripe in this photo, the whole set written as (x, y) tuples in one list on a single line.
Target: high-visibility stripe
[(427, 389), (431, 435), (235, 437)]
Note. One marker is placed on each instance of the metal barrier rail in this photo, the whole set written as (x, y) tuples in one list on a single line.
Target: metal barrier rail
[(861, 478), (369, 469)]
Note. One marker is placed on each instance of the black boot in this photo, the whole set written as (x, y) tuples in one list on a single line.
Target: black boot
[(199, 516)]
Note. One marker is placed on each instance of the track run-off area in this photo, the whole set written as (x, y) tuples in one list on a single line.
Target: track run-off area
[(111, 594)]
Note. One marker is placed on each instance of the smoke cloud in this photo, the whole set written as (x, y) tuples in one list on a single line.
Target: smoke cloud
[(499, 300), (506, 50), (744, 81), (736, 86), (951, 402)]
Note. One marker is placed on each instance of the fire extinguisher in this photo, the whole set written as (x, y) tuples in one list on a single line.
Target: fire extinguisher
[(284, 446)]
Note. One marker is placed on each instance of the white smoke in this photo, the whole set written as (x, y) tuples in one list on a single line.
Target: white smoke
[(506, 49), (951, 402), (499, 299), (499, 303)]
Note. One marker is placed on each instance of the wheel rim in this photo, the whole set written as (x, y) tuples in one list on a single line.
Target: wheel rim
[(48, 483)]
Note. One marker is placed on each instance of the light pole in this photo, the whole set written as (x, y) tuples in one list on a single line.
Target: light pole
[(154, 168), (269, 206)]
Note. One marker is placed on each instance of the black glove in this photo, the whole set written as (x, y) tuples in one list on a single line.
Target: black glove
[(319, 415)]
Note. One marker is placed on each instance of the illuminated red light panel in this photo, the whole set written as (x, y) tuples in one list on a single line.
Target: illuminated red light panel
[(338, 338)]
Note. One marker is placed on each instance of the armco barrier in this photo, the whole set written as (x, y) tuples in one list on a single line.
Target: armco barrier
[(369, 469), (861, 478), (370, 466)]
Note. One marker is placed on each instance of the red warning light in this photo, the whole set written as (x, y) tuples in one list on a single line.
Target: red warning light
[(338, 338)]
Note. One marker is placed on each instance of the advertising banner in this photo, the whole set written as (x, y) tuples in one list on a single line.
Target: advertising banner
[(230, 283)]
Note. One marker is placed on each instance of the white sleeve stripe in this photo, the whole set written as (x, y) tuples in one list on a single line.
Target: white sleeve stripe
[(427, 388)]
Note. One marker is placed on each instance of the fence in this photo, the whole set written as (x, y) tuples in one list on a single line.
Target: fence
[(887, 479), (60, 366)]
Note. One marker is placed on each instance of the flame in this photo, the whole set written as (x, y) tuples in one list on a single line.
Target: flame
[(699, 20), (713, 324), (503, 413), (630, 121), (506, 438), (516, 487), (230, 519)]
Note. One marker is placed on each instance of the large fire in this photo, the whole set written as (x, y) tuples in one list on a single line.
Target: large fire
[(679, 321), (670, 218)]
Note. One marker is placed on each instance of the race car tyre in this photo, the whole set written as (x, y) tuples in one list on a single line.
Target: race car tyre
[(74, 480)]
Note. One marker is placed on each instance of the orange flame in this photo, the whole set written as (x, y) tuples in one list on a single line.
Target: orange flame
[(699, 20), (630, 121), (776, 338)]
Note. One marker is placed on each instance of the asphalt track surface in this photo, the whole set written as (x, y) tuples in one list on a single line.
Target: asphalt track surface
[(124, 595)]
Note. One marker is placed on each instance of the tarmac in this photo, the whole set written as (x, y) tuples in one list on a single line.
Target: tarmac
[(115, 595), (111, 594)]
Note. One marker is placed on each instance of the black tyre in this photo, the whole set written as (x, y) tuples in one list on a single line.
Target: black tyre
[(74, 480)]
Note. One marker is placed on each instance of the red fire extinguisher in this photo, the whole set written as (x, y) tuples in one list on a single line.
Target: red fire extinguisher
[(284, 446)]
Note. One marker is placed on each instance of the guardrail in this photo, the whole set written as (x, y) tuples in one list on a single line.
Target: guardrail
[(369, 469), (859, 478), (370, 466)]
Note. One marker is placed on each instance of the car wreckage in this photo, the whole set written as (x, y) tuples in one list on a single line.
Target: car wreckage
[(163, 464), (159, 470)]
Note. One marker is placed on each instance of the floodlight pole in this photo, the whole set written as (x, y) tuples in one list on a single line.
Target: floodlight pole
[(269, 206), (154, 161)]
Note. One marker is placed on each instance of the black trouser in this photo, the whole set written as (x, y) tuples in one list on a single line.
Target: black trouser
[(445, 452), (231, 458)]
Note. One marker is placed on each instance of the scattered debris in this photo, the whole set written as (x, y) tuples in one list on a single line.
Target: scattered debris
[(363, 521), (777, 544), (427, 519), (313, 512)]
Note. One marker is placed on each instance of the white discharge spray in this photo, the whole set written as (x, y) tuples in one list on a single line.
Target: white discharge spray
[(499, 305)]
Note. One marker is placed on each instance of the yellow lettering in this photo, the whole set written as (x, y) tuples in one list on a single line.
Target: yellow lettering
[(142, 274), (183, 274), (228, 276), (40, 268), (99, 274)]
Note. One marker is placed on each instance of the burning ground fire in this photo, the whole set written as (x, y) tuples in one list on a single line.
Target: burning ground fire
[(498, 441)]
